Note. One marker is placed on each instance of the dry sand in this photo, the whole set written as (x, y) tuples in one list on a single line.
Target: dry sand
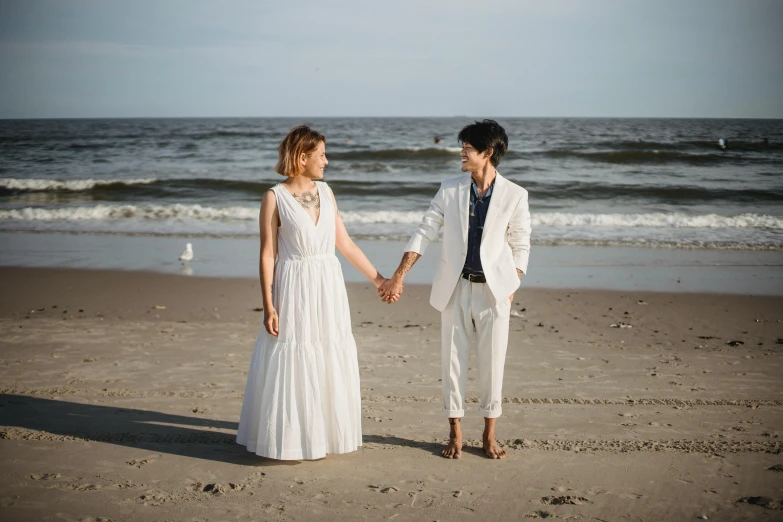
[(115, 408)]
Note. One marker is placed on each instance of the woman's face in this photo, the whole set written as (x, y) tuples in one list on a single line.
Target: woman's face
[(315, 162)]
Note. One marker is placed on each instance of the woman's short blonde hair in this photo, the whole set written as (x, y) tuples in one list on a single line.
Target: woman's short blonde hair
[(299, 140)]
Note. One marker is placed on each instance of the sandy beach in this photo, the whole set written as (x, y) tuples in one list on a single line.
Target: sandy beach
[(629, 161), (121, 391)]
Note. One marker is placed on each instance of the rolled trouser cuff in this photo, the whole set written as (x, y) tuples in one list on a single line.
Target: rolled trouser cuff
[(454, 414), (491, 414)]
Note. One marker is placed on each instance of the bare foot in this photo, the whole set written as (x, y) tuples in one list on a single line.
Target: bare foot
[(454, 447), (492, 449)]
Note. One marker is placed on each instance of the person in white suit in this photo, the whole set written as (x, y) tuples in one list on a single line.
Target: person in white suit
[(486, 244)]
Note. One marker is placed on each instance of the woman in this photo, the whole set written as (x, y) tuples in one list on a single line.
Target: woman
[(302, 398)]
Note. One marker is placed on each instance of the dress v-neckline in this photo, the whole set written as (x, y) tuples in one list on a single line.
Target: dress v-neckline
[(299, 205)]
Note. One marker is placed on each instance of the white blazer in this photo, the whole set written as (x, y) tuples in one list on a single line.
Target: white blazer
[(505, 241)]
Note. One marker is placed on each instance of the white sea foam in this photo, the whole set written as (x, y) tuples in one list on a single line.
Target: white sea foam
[(380, 216), (540, 219), (563, 219), (139, 212), (656, 220), (73, 185)]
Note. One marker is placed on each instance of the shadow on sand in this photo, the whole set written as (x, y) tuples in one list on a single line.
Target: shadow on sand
[(151, 430), (434, 448)]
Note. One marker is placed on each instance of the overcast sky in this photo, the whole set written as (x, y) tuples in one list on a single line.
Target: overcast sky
[(173, 58)]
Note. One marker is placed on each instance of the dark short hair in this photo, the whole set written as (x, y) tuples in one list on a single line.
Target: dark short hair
[(485, 135)]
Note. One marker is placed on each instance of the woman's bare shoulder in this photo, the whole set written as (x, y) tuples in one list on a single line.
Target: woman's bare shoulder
[(269, 201)]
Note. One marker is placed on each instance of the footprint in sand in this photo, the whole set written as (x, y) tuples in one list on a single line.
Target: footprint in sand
[(255, 478), (764, 502), (95, 519), (564, 499), (139, 463), (128, 485), (155, 497), (83, 487), (44, 476), (216, 489)]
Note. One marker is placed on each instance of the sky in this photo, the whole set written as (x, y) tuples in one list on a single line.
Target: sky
[(511, 58)]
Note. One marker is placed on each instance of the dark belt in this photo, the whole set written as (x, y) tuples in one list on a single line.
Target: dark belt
[(474, 277)]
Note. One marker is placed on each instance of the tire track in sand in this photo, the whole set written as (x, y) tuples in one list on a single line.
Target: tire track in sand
[(236, 394), (385, 442)]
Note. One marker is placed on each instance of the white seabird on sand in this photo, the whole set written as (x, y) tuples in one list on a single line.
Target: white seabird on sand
[(187, 255)]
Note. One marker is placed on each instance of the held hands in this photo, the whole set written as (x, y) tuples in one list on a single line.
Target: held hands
[(391, 289), (271, 321), (381, 284)]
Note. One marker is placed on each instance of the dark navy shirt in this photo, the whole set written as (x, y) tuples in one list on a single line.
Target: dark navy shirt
[(476, 217)]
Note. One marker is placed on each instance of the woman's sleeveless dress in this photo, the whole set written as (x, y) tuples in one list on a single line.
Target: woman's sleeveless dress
[(302, 398)]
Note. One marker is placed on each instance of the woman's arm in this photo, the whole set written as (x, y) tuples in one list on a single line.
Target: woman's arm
[(268, 221), (353, 253)]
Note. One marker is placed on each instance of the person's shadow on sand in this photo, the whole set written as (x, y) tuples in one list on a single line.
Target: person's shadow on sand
[(150, 430), (434, 448)]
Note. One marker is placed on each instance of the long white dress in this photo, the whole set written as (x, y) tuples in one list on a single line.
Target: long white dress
[(302, 398)]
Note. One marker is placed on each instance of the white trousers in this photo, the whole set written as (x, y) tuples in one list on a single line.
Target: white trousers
[(474, 317)]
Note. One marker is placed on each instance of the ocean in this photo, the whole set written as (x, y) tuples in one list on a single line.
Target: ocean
[(661, 183)]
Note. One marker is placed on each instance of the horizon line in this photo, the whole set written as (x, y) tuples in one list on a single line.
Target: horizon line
[(461, 116)]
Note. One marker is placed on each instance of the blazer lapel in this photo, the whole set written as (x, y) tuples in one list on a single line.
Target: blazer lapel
[(463, 196), (498, 193)]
